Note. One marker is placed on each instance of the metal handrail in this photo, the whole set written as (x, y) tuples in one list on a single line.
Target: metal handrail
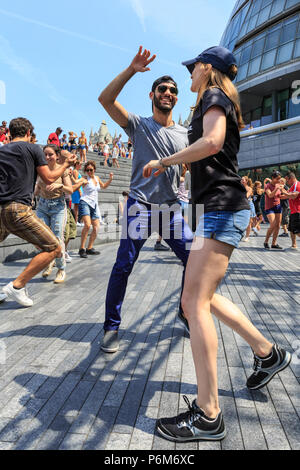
[(271, 127)]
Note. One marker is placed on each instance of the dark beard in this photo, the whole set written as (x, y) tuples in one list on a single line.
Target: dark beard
[(163, 109)]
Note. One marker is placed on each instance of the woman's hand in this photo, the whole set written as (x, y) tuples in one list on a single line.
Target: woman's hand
[(111, 175), (153, 165)]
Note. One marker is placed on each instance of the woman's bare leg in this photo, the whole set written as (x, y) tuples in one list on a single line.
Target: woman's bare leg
[(85, 231), (205, 270)]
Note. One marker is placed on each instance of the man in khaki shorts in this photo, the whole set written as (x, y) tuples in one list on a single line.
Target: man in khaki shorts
[(20, 163)]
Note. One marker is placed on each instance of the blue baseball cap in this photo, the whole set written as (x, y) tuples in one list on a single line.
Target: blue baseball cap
[(219, 57)]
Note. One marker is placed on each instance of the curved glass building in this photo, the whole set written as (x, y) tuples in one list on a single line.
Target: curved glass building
[(264, 36)]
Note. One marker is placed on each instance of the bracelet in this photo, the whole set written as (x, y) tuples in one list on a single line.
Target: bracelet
[(162, 164)]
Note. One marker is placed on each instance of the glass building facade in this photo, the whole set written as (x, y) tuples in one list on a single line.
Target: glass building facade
[(264, 36)]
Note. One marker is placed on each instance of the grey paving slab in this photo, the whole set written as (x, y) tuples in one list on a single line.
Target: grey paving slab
[(59, 391)]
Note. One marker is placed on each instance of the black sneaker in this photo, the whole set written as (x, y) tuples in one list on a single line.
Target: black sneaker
[(267, 246), (192, 426), (160, 247), (284, 235), (92, 251), (276, 247), (266, 368), (184, 321), (110, 342), (82, 253)]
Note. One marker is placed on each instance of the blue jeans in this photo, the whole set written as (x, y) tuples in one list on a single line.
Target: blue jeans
[(54, 213), (137, 227)]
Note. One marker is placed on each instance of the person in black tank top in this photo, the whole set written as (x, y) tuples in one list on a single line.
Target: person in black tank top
[(214, 143)]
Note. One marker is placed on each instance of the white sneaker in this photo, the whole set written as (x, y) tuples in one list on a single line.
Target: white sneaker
[(68, 258), (20, 296), (48, 270), (3, 297), (60, 277)]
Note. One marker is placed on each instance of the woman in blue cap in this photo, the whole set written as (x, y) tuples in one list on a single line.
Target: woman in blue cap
[(214, 137)]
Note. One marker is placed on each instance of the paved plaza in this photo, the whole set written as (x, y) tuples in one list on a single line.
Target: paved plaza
[(59, 391)]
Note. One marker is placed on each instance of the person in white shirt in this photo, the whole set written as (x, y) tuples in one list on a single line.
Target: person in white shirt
[(89, 212), (105, 152), (115, 155)]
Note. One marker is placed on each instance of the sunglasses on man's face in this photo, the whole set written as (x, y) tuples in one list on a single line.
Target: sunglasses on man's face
[(164, 88)]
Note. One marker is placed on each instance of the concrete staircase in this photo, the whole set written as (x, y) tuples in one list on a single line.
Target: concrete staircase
[(14, 248)]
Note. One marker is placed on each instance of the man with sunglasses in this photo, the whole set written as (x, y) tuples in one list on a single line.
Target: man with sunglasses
[(153, 138)]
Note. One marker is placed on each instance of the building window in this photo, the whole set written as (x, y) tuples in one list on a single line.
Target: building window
[(256, 4), (283, 104), (272, 39), (285, 53), (297, 49), (277, 7), (258, 47), (264, 15), (288, 32), (254, 66), (294, 107), (246, 55), (242, 72), (266, 117), (291, 3), (268, 60), (256, 117)]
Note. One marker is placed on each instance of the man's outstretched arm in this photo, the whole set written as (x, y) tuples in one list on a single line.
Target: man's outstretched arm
[(109, 96)]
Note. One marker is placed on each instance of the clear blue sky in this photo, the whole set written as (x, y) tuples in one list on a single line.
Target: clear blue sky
[(56, 57)]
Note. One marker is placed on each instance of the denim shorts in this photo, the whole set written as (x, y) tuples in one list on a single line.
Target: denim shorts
[(86, 209), (274, 210), (224, 226)]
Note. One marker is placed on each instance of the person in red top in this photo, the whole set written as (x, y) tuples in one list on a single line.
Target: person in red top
[(273, 209), (53, 138), (294, 199), (4, 125), (2, 135)]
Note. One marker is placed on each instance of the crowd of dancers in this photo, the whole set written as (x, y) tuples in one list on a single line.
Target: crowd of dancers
[(209, 149)]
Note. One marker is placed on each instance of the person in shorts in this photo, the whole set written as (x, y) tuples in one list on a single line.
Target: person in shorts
[(89, 211), (20, 163), (214, 138), (293, 196), (285, 206), (273, 210)]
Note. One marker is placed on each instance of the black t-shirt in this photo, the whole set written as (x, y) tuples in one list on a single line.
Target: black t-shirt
[(18, 163), (285, 202), (214, 180)]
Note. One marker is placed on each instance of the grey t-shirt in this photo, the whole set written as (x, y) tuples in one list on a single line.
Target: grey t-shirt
[(151, 141)]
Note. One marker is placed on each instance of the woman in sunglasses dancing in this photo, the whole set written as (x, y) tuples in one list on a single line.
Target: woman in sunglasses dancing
[(89, 212), (214, 143)]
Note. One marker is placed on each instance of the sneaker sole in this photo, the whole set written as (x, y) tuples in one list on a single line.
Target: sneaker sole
[(109, 350), (283, 366), (3, 297), (204, 437)]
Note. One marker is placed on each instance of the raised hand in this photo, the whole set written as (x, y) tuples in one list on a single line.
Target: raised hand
[(142, 60)]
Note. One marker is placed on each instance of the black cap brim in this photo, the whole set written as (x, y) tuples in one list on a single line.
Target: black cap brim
[(190, 64)]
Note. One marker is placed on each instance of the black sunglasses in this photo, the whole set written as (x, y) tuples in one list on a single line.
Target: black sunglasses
[(89, 170), (164, 88)]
